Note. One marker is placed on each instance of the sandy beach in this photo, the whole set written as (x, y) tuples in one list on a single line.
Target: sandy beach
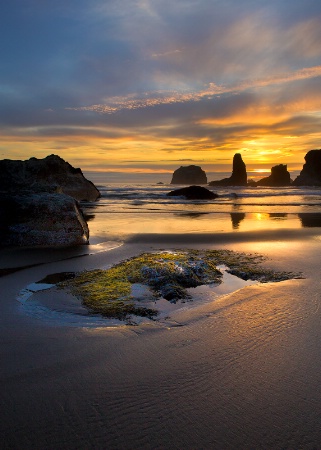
[(242, 371), (160, 218)]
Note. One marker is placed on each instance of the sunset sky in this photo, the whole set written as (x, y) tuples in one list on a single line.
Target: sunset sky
[(150, 85)]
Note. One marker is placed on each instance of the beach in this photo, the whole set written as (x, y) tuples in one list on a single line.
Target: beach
[(241, 371), (160, 218)]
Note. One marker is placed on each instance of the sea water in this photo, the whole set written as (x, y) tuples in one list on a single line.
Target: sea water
[(132, 208)]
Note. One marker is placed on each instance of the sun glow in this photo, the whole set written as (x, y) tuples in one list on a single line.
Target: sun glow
[(261, 170), (261, 216)]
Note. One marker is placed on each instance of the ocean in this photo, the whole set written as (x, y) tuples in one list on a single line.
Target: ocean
[(125, 209)]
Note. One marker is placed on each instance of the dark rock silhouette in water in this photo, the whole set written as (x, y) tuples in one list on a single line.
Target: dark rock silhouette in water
[(193, 193), (279, 177), (47, 174), (189, 175), (311, 173), (238, 177)]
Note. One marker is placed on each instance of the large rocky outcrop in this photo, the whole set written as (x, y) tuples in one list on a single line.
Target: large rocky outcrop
[(193, 193), (238, 177), (41, 219), (189, 175), (39, 203), (46, 174), (279, 177), (311, 173)]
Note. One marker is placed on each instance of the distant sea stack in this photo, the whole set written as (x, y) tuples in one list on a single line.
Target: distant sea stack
[(311, 173), (189, 175), (238, 177), (279, 177)]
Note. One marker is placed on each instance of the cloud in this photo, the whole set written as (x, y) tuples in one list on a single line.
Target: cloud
[(165, 54), (170, 78), (156, 98)]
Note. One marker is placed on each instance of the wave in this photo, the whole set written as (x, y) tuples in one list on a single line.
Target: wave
[(151, 198), (150, 194)]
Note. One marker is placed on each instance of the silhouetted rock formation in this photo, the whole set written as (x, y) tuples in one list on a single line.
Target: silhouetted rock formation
[(311, 173), (279, 177), (35, 209), (193, 193), (41, 219), (238, 177), (50, 173), (189, 175)]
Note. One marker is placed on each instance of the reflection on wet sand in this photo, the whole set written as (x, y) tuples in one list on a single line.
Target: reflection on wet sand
[(192, 215), (278, 216), (306, 219), (115, 225), (310, 219), (236, 218)]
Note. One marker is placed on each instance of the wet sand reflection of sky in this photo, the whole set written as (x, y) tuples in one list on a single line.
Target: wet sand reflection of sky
[(122, 224)]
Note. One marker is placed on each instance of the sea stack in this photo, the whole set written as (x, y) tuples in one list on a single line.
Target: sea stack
[(311, 173), (189, 175), (238, 177), (279, 177)]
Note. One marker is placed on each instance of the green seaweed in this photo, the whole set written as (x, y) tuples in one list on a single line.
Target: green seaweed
[(167, 273)]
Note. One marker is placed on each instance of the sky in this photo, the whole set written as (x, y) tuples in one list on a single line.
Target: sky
[(150, 85)]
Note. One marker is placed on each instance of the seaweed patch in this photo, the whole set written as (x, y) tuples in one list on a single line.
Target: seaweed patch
[(167, 274)]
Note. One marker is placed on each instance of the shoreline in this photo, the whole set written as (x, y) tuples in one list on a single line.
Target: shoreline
[(11, 258), (232, 375)]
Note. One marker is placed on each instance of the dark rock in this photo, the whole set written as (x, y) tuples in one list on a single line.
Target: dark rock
[(189, 175), (41, 219), (172, 292), (238, 177), (279, 177), (193, 193), (35, 208), (311, 173), (47, 174)]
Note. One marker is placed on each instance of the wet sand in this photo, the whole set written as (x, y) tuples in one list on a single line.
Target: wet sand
[(243, 371)]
